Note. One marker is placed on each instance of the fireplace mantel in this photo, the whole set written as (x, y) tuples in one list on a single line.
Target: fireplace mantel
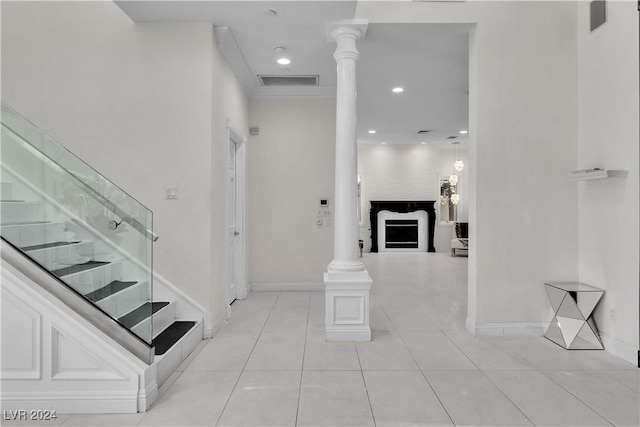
[(402, 207)]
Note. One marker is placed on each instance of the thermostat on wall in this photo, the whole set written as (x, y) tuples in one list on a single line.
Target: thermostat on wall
[(324, 203)]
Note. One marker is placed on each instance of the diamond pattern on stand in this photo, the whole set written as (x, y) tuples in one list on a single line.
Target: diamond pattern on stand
[(569, 309), (554, 334), (555, 297), (572, 326), (587, 302), (569, 328)]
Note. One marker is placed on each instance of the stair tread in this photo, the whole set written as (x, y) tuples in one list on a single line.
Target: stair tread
[(167, 338), (131, 319), (48, 245), (110, 289), (76, 268)]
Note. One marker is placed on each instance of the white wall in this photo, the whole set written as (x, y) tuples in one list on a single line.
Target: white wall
[(410, 172), (608, 138), (142, 104), (523, 94), (230, 108), (291, 167)]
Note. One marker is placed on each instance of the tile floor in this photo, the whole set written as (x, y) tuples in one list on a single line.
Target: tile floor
[(270, 366)]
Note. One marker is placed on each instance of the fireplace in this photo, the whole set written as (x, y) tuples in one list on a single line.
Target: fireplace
[(403, 211), (401, 234)]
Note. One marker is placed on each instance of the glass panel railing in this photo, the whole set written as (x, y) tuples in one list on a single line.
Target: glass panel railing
[(76, 223)]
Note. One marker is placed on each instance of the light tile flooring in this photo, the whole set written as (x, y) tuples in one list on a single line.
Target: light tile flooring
[(270, 366)]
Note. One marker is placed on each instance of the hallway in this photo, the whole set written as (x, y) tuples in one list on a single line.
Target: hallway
[(270, 366)]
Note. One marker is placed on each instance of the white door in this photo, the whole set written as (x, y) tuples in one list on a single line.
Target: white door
[(232, 292), (236, 190)]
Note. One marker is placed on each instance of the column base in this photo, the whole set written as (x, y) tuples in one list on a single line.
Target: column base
[(347, 306)]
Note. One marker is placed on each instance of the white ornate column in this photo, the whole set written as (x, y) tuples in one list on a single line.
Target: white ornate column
[(347, 282)]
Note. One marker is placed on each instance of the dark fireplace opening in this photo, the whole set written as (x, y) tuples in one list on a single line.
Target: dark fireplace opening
[(403, 207), (401, 233)]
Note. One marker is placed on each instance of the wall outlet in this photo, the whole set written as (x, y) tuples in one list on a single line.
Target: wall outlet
[(612, 314)]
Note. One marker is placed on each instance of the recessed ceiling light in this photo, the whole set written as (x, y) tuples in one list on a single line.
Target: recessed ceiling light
[(423, 142), (372, 131), (464, 132), (397, 90), (283, 61), (383, 142)]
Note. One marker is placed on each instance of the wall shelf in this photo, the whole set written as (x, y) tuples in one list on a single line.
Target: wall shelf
[(589, 174)]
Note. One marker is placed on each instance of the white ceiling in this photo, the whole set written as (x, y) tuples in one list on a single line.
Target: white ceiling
[(429, 60)]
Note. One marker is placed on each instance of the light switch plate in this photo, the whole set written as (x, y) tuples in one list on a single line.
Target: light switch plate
[(171, 192)]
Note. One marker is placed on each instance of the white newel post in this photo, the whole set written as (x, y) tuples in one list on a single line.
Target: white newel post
[(347, 282)]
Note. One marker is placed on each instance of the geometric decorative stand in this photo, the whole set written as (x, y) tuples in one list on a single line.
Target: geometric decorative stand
[(572, 326)]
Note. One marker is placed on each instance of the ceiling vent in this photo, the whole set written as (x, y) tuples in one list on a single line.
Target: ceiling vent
[(451, 137), (288, 80), (423, 132)]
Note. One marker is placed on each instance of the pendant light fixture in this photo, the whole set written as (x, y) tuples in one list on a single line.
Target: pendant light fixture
[(458, 164), (454, 197)]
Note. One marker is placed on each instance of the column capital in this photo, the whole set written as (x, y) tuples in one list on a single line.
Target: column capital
[(346, 34), (352, 28)]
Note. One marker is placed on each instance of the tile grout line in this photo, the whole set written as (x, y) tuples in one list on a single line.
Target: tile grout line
[(444, 408), (304, 351), (577, 398), (246, 362), (366, 389), (507, 397), (461, 351), (615, 379)]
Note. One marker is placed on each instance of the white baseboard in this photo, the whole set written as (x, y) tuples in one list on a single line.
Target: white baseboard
[(505, 329), (348, 335), (620, 349), (147, 396), (213, 327), (287, 287), (84, 402), (611, 345)]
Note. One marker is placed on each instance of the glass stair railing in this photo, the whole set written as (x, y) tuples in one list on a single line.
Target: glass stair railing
[(77, 224)]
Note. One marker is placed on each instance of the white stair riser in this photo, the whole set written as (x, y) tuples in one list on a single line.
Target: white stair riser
[(161, 320), (34, 234), (94, 279), (52, 258), (169, 362), (120, 303), (20, 211)]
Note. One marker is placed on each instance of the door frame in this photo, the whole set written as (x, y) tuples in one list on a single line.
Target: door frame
[(240, 258)]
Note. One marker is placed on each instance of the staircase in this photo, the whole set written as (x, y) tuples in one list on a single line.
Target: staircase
[(81, 234)]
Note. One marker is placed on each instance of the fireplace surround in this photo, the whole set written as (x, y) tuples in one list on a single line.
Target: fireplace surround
[(402, 207)]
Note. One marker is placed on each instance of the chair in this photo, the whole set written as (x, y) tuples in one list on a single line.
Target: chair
[(460, 242)]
